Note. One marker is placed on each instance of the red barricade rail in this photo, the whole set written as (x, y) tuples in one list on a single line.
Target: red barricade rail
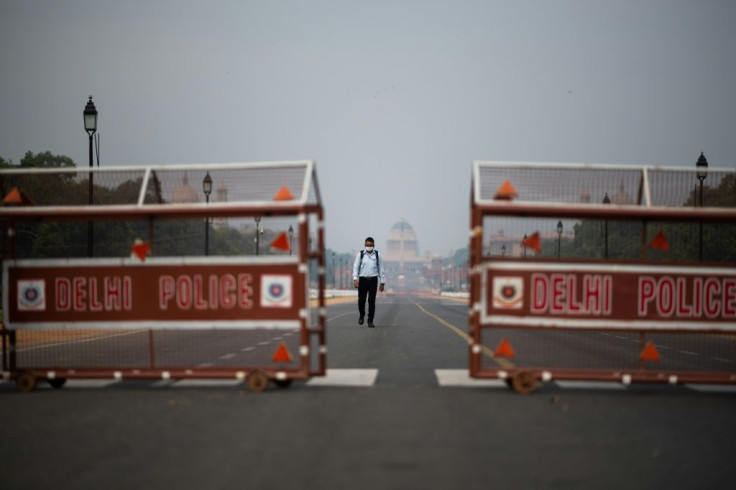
[(602, 272), (131, 272)]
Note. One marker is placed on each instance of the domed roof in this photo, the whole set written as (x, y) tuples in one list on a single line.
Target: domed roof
[(402, 225), (184, 193)]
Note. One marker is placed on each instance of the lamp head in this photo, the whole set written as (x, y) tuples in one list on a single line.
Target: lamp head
[(207, 184), (702, 166), (90, 117)]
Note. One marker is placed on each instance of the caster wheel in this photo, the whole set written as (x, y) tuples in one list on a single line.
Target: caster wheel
[(257, 381), (25, 382), (524, 382)]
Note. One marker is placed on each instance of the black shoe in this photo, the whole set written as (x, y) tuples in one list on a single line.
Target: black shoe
[(370, 324), (360, 321)]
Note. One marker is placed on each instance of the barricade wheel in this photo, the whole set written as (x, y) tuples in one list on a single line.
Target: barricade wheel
[(57, 382), (25, 382), (524, 382), (257, 381), (282, 383)]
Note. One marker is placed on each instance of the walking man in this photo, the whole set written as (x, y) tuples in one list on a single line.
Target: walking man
[(367, 270)]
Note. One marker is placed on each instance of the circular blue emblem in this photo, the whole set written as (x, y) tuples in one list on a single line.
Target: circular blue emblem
[(276, 290)]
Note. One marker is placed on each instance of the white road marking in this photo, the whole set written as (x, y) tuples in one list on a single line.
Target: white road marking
[(689, 353), (453, 378), (346, 377), (90, 383), (720, 359), (207, 383), (246, 349), (590, 385), (264, 343), (227, 356), (712, 388)]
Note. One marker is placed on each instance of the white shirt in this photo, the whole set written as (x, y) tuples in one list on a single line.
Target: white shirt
[(369, 268)]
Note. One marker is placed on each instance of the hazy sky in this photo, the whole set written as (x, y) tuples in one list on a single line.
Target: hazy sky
[(393, 100)]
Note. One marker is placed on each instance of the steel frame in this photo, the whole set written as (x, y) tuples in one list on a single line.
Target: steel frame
[(256, 376), (524, 378)]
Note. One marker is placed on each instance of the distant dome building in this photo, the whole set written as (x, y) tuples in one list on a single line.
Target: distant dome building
[(621, 197), (185, 193), (404, 265)]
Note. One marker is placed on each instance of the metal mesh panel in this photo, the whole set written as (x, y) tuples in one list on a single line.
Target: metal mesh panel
[(677, 188), (154, 349), (70, 187), (229, 184), (171, 238), (611, 350), (608, 239), (586, 185), (591, 184)]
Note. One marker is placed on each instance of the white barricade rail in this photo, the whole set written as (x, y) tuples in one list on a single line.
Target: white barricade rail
[(602, 272), (179, 271)]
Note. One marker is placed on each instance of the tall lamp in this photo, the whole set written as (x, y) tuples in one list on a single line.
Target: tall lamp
[(559, 237), (207, 188), (90, 126), (258, 233), (606, 200), (702, 173)]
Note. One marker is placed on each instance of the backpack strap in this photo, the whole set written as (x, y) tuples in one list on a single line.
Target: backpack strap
[(378, 262)]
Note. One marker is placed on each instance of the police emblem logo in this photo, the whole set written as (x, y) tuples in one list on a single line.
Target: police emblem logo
[(508, 293), (31, 295), (276, 291)]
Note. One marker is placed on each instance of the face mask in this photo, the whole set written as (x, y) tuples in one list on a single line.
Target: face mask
[(369, 249)]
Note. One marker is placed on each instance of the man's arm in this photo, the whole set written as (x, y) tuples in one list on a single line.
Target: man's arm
[(356, 262), (381, 274)]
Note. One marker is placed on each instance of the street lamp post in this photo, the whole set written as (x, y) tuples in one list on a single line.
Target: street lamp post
[(291, 239), (702, 166), (258, 233), (559, 237), (523, 247), (90, 126), (333, 271), (606, 200), (207, 188)]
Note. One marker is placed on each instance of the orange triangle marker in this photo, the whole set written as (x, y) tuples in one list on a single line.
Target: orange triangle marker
[(284, 194), (504, 349), (660, 242), (141, 249), (282, 354), (281, 242), (506, 191), (15, 196), (533, 242), (650, 353)]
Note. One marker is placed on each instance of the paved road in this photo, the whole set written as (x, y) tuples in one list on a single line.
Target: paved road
[(401, 430)]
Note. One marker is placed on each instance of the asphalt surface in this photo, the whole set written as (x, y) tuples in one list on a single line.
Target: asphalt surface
[(404, 430)]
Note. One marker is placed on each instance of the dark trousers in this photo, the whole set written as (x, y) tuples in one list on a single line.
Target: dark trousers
[(367, 286)]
